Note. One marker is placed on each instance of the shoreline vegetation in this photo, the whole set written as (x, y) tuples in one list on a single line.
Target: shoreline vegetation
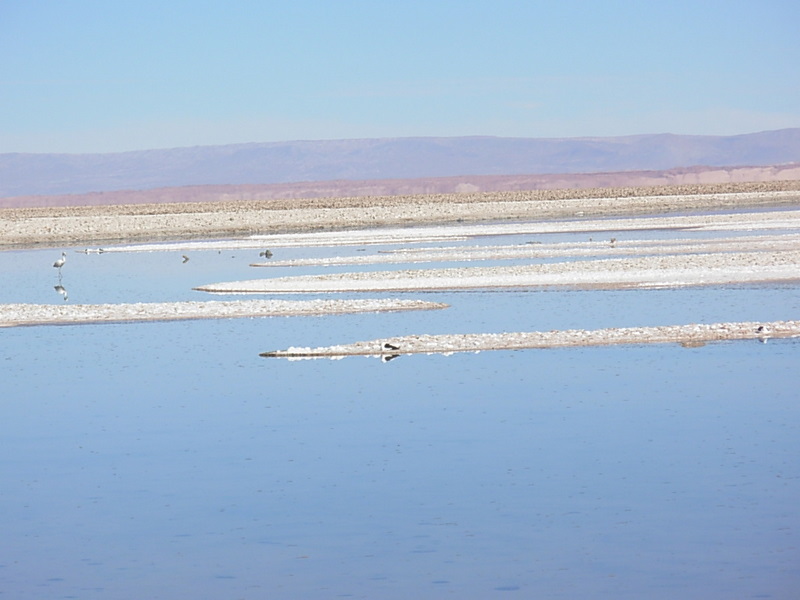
[(768, 251)]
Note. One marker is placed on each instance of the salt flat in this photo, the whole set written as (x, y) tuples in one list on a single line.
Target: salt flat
[(750, 237), (52, 226), (773, 255)]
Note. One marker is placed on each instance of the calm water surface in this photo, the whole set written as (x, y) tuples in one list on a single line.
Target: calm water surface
[(168, 460)]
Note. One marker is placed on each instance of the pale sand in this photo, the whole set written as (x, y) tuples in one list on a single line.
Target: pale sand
[(54, 226), (687, 335), (73, 314)]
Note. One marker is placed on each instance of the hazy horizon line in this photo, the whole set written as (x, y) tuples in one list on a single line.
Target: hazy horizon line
[(408, 137)]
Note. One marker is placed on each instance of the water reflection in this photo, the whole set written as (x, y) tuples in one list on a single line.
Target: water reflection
[(174, 462), (62, 291), (608, 472)]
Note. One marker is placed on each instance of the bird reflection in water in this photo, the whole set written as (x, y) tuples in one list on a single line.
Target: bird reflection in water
[(62, 291), (390, 348)]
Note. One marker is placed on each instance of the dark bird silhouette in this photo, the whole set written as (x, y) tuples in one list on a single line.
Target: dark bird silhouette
[(388, 346), (185, 258)]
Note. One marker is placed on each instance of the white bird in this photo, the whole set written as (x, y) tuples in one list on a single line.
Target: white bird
[(60, 262)]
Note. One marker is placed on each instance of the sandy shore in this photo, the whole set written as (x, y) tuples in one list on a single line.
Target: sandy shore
[(57, 226)]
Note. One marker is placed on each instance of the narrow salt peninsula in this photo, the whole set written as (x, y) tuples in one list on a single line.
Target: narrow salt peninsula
[(650, 271), (687, 335), (73, 314)]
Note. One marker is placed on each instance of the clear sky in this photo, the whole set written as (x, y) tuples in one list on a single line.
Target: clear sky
[(107, 75)]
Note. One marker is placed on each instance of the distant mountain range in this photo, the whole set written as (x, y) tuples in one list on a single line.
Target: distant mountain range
[(384, 159)]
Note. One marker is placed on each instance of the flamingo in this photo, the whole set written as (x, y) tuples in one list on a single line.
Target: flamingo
[(60, 262)]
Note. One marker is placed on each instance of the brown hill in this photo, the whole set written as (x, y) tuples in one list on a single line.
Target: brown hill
[(384, 160), (719, 177)]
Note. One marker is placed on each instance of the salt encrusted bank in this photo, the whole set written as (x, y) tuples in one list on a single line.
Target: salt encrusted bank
[(772, 254), (689, 335), (74, 314)]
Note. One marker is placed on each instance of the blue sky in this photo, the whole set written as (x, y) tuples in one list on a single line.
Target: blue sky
[(100, 76)]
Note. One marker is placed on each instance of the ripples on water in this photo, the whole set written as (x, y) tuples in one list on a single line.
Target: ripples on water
[(167, 460)]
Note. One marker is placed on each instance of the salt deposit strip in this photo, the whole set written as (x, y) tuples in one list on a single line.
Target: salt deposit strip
[(687, 335), (68, 314), (361, 237), (533, 250), (745, 221), (654, 271)]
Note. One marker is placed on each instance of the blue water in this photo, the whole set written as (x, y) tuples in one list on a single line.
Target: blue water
[(169, 460)]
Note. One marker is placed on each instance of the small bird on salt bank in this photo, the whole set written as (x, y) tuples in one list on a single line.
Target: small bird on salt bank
[(60, 262), (388, 346)]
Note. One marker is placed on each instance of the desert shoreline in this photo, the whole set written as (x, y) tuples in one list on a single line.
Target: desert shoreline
[(39, 227)]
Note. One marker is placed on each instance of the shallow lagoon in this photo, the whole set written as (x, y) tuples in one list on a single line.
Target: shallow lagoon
[(169, 460)]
